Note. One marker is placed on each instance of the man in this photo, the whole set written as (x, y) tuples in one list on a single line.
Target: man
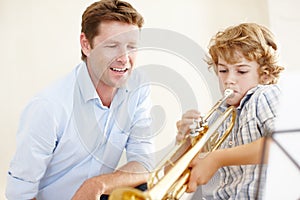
[(72, 135)]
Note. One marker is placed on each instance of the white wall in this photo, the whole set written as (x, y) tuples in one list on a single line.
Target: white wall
[(285, 22), (40, 43)]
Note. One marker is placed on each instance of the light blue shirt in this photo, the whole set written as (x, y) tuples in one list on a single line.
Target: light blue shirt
[(66, 136)]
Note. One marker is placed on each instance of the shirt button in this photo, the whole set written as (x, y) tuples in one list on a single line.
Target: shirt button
[(230, 143)]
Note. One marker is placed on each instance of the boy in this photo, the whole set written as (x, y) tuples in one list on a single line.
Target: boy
[(244, 59)]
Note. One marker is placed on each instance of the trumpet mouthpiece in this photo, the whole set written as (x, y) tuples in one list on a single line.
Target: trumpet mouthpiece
[(228, 93)]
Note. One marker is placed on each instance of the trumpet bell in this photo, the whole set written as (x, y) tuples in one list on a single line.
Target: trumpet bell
[(128, 193)]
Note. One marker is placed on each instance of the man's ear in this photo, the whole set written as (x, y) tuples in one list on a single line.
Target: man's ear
[(85, 45)]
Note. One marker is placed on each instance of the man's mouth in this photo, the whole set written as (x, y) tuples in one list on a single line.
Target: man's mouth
[(119, 69)]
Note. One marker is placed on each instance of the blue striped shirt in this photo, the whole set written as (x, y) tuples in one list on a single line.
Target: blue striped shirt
[(255, 119)]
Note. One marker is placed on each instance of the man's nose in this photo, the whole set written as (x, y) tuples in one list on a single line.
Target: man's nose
[(124, 57)]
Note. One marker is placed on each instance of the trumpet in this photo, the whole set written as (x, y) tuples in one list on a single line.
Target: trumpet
[(169, 181)]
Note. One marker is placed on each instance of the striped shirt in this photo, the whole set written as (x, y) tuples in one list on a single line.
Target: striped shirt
[(255, 119)]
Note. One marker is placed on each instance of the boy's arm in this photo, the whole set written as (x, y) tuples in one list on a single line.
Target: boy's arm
[(242, 155), (203, 169)]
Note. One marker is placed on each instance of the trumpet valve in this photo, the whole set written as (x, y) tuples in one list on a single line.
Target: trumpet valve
[(197, 127)]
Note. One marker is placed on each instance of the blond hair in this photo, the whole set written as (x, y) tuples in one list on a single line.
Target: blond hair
[(254, 42)]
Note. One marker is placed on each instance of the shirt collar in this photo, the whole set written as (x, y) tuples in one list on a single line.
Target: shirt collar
[(88, 91), (86, 86), (248, 96)]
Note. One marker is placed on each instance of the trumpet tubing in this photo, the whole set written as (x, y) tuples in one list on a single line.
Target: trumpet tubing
[(173, 183)]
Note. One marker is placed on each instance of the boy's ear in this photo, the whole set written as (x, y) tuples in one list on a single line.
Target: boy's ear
[(85, 45), (265, 79)]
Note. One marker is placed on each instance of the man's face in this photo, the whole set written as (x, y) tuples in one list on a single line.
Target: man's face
[(240, 77), (112, 58)]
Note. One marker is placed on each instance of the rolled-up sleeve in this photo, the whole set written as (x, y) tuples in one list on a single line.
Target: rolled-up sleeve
[(36, 140)]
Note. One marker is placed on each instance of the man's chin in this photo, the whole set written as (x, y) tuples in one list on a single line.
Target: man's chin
[(120, 83)]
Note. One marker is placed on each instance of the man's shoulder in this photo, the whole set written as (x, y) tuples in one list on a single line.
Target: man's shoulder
[(60, 87), (59, 92)]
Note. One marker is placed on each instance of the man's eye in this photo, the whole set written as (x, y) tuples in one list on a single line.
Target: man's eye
[(111, 46), (222, 70), (132, 47)]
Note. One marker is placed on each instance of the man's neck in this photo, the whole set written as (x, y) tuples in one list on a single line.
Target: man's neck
[(106, 93)]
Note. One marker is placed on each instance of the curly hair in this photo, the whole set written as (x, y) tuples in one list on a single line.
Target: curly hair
[(107, 10), (254, 42)]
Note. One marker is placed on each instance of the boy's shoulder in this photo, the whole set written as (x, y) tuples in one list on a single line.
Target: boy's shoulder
[(261, 93), (265, 91), (260, 103)]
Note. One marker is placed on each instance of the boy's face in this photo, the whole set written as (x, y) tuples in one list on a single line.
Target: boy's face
[(240, 77)]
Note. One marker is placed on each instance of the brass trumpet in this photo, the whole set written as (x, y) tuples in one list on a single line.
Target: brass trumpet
[(169, 181)]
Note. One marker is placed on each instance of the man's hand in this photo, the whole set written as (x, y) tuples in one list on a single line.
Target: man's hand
[(91, 189), (130, 175), (183, 125)]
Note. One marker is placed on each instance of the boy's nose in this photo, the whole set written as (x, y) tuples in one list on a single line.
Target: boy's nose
[(230, 79)]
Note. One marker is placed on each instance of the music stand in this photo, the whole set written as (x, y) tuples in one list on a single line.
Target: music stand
[(283, 174)]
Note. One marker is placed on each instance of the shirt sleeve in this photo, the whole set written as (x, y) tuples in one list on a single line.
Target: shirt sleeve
[(140, 144), (36, 141), (268, 102)]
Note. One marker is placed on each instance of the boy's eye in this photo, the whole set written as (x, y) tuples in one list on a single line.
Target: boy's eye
[(242, 72), (222, 70)]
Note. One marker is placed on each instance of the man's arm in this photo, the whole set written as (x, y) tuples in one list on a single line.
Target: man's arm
[(130, 175), (36, 140)]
